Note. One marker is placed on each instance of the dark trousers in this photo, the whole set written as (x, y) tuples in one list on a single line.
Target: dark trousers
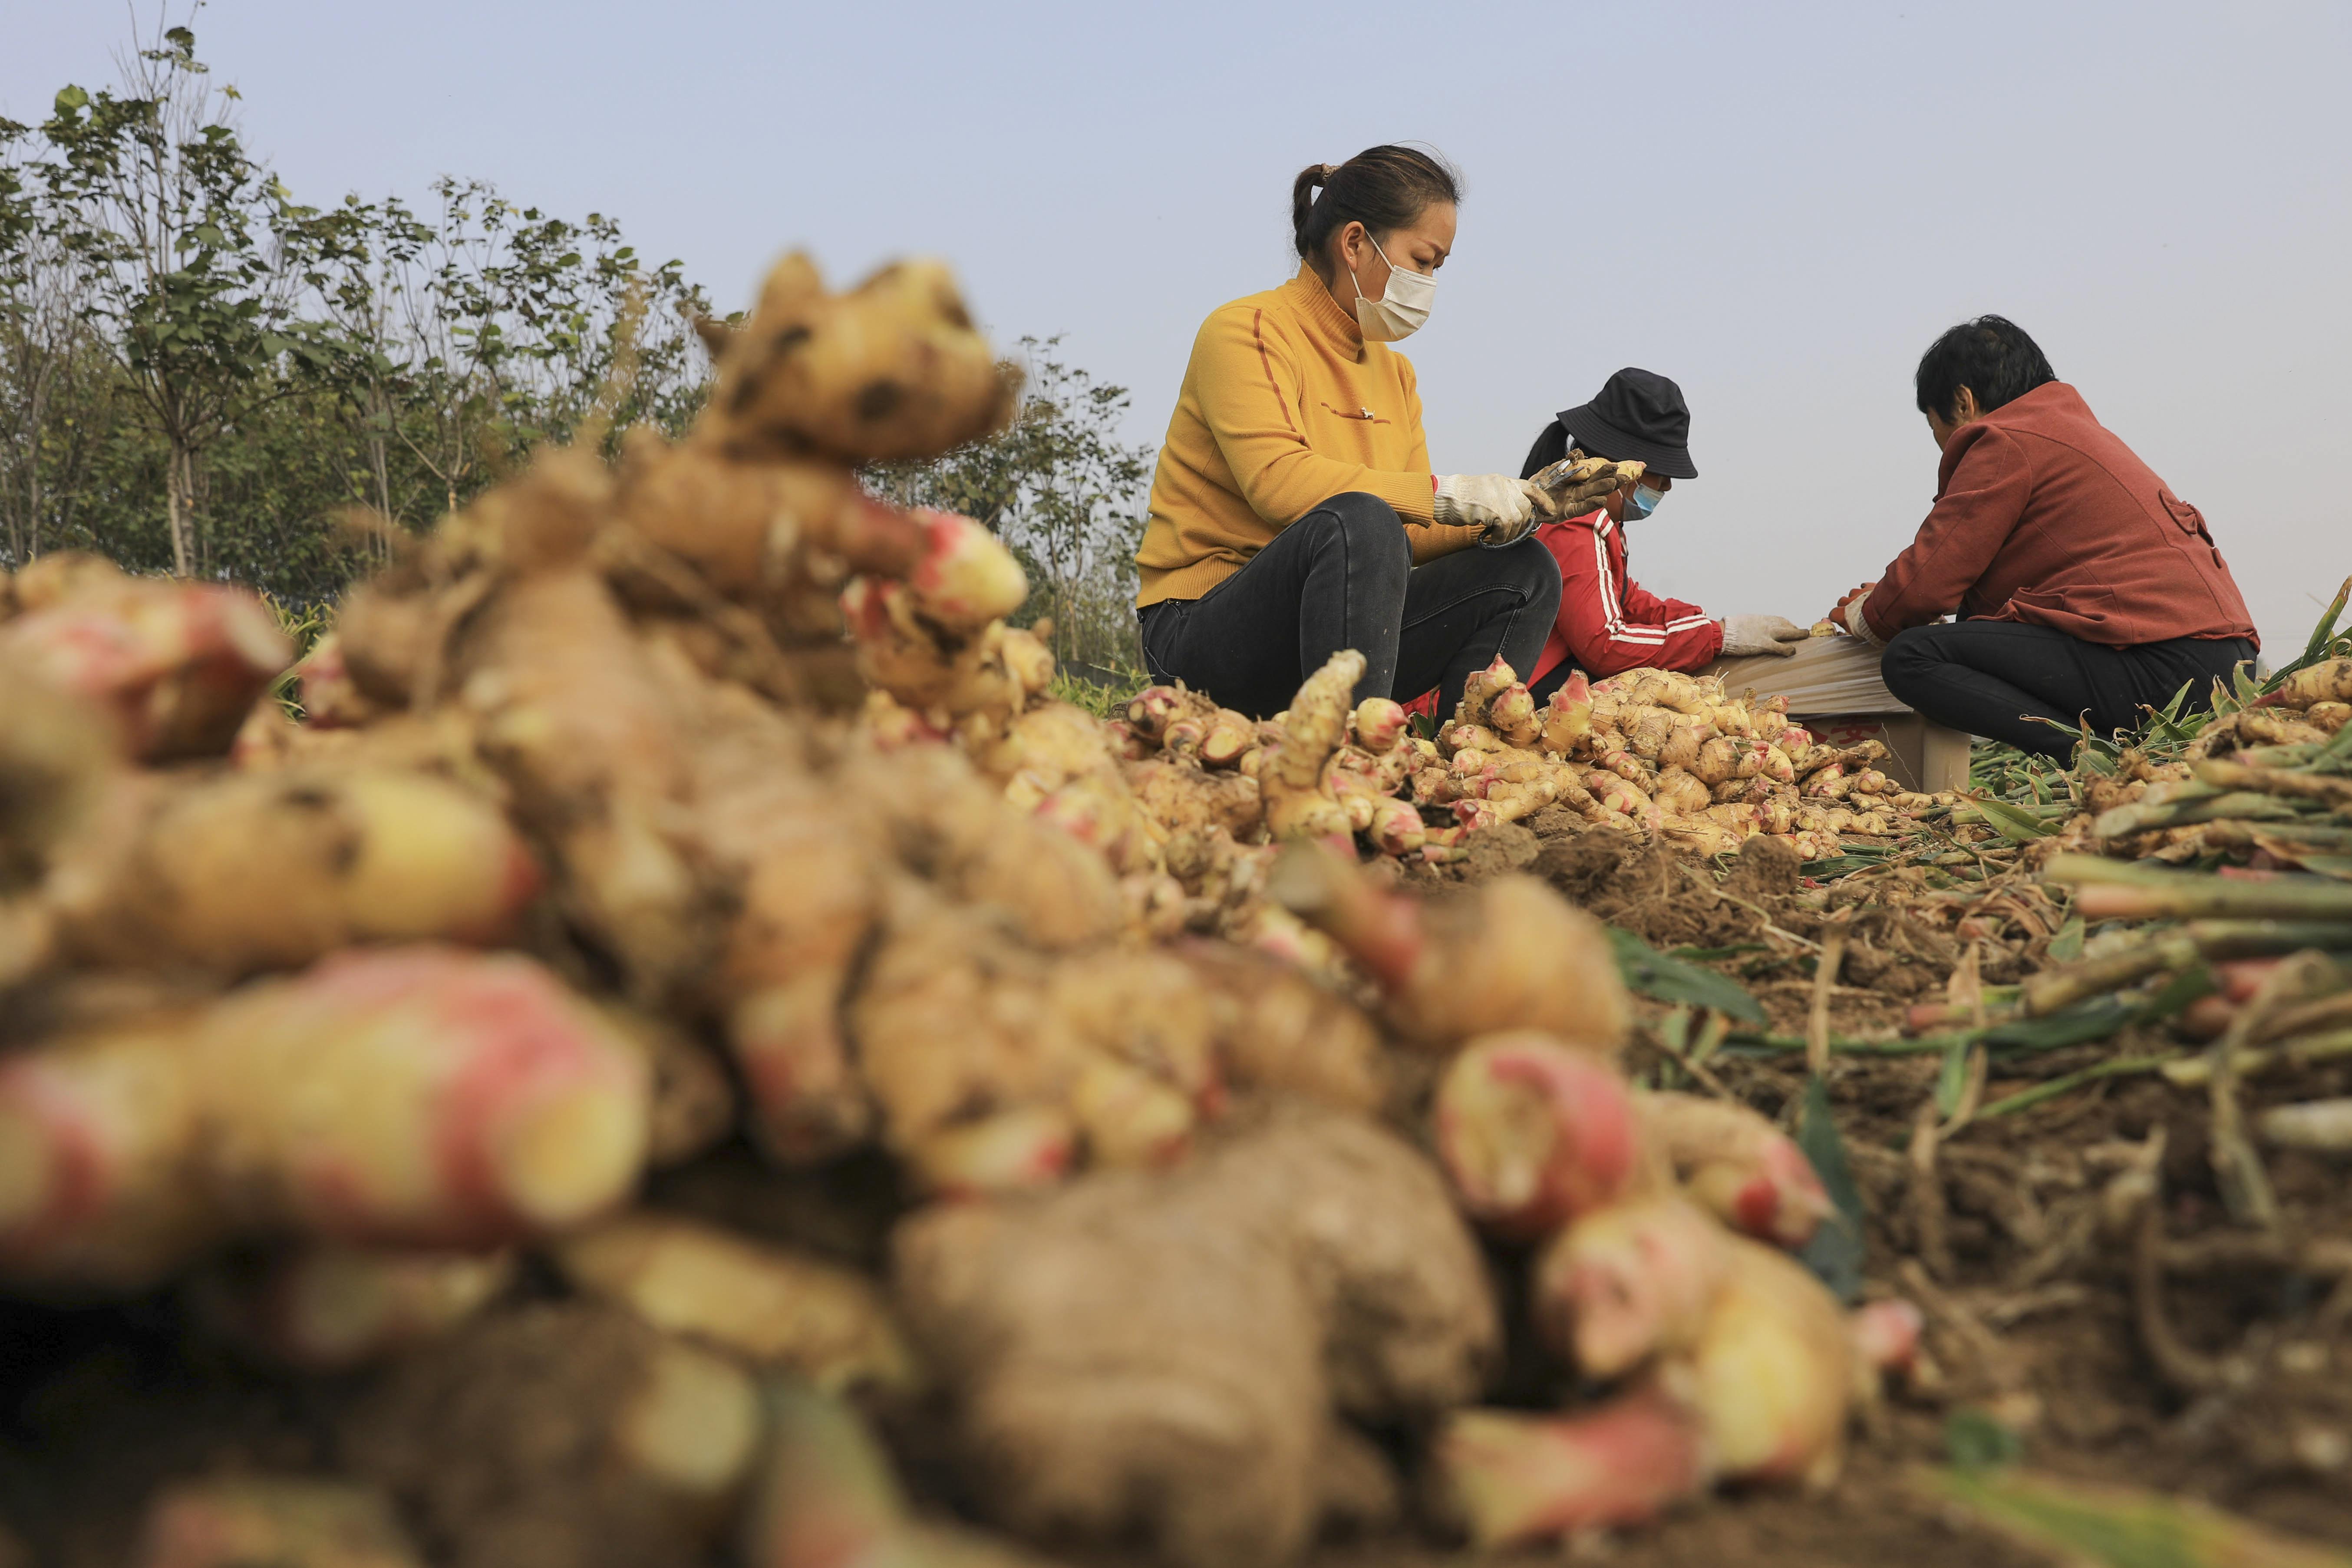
[(1341, 577), (1987, 677)]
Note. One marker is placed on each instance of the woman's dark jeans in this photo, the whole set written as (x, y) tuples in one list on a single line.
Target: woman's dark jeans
[(1996, 677), (1343, 576)]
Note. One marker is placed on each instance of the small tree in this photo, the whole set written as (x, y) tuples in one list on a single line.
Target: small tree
[(357, 261), (153, 197), (1064, 492), (57, 386), (510, 325)]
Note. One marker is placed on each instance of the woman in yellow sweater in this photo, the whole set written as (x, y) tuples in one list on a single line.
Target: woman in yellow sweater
[(1294, 512)]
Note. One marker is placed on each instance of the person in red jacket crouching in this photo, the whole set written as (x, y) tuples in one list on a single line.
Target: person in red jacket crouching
[(2085, 589), (1607, 622)]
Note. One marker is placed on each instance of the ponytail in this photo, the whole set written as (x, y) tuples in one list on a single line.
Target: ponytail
[(1311, 179), (1385, 188)]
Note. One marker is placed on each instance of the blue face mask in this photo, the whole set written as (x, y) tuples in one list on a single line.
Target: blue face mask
[(1643, 502)]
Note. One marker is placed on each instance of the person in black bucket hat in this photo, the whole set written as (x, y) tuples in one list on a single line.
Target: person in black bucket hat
[(1607, 622)]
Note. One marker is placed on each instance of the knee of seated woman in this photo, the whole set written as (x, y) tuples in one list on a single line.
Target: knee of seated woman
[(1359, 514), (1914, 647), (1911, 657)]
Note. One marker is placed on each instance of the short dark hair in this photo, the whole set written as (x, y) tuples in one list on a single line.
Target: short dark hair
[(1991, 356), (1384, 188)]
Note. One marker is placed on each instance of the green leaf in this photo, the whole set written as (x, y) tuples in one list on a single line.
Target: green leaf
[(2017, 826), (2174, 995), (1835, 1253), (1952, 1077), (70, 101), (1975, 1438), (2075, 1026), (2102, 1016), (1653, 974), (2322, 635), (2068, 945), (2087, 1525)]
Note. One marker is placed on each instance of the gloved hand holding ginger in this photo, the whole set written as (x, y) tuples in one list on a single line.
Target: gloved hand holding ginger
[(1580, 483), (1745, 634), (1506, 508)]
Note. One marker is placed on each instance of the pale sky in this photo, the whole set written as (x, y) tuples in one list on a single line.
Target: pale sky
[(1778, 206)]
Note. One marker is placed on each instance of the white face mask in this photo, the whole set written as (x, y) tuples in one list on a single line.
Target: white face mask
[(1402, 307)]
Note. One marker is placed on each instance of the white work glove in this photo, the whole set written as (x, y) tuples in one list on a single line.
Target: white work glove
[(1745, 634), (1505, 510)]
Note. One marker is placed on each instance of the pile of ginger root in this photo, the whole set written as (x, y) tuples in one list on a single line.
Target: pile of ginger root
[(1663, 755), (695, 821), (1187, 797)]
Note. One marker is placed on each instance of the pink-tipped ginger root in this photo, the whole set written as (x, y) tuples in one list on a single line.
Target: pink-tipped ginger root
[(1567, 717), (241, 1521), (1478, 692), (1514, 1477), (1026, 1149), (1506, 954), (1533, 1132), (1738, 1166), (421, 1095), (1298, 803), (1379, 723), (966, 577), (1512, 715), (1886, 1334), (750, 528), (1761, 1393), (98, 1140), (1628, 1282), (1776, 1371), (174, 664)]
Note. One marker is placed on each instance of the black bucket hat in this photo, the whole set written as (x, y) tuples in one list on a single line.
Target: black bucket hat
[(1639, 416)]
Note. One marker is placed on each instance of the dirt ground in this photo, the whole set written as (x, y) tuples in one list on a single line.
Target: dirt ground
[(2153, 1345), (2009, 1234)]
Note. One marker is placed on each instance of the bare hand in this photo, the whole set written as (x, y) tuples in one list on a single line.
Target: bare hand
[(1837, 612)]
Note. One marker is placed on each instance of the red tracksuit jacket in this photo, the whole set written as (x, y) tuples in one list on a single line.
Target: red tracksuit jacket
[(1607, 622)]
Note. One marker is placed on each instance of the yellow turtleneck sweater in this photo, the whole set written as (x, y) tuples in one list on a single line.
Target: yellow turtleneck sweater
[(1284, 407)]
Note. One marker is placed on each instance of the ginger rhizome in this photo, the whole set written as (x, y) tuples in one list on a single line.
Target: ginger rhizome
[(1532, 1132), (417, 1096), (1169, 1355), (1506, 954), (1744, 1368)]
